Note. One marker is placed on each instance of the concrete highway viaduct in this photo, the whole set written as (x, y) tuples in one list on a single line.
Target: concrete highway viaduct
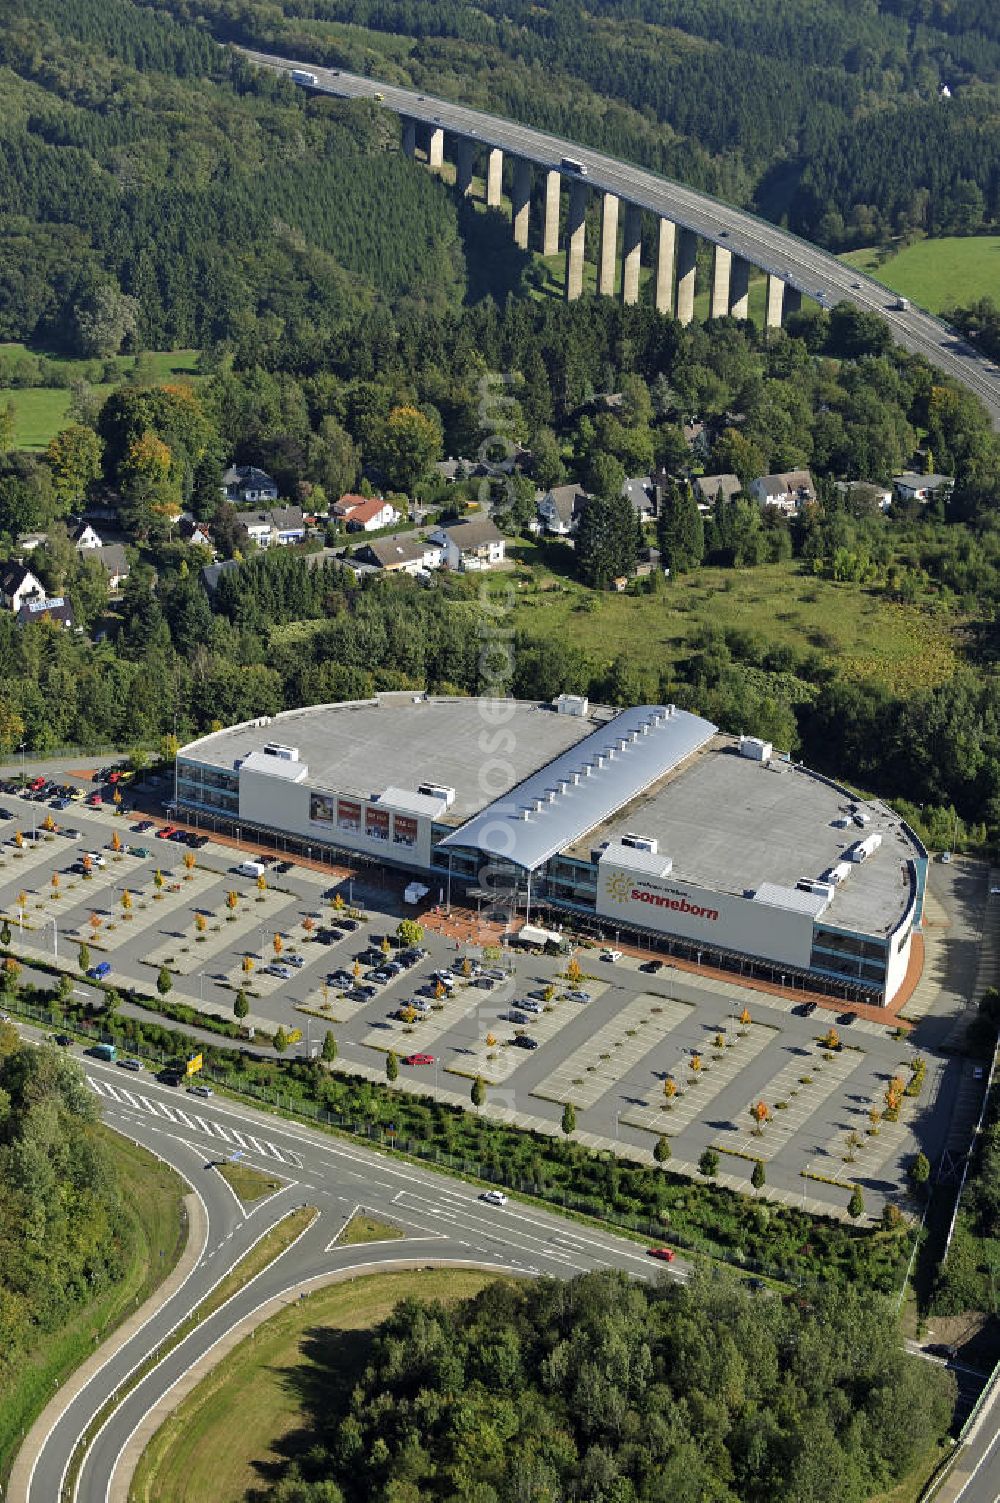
[(628, 194)]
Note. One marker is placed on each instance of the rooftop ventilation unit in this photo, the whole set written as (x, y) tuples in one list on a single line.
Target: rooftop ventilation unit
[(838, 873), (865, 848), (861, 817), (438, 790), (755, 749), (284, 753), (814, 885), (641, 843), (572, 704)]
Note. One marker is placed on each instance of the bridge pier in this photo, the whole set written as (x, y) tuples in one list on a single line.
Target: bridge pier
[(687, 263), (550, 225), (739, 289), (521, 203), (435, 146), (792, 301), (663, 273), (494, 177), (631, 254), (576, 232), (409, 138), (721, 273), (775, 302), (463, 168), (607, 255)]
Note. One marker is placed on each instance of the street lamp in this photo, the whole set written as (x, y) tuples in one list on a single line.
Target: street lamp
[(50, 919), (201, 986)]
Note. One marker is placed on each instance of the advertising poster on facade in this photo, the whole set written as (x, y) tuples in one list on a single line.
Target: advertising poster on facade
[(320, 809)]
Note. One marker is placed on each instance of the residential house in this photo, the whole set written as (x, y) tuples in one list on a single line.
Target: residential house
[(868, 493), (18, 585), (288, 525), (708, 489), (451, 469), (212, 573), (194, 532), (474, 544), (245, 483), (369, 515), (112, 559), (912, 487), (559, 509), (404, 553), (56, 609), (257, 526), (29, 541), (86, 537), (698, 438), (786, 492), (641, 491)]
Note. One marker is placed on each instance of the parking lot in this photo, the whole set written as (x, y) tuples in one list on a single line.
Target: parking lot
[(639, 1053)]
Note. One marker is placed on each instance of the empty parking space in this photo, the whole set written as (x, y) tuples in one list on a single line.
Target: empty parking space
[(594, 1068)]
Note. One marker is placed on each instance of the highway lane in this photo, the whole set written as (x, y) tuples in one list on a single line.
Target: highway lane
[(441, 1219), (812, 271)]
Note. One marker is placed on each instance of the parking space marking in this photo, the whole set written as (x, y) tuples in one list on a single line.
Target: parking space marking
[(594, 1068), (671, 1115), (497, 1062), (803, 1084)]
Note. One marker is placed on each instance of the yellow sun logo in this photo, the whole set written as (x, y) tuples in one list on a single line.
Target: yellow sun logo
[(619, 888)]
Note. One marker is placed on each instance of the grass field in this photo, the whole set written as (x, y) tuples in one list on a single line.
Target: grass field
[(40, 411), (248, 1183), (362, 1228), (938, 273), (241, 1421), (872, 639), (153, 1195)]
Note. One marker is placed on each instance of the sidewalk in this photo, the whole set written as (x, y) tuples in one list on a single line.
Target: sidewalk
[(34, 1441)]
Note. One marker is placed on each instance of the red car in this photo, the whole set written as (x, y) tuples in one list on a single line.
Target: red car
[(166, 832), (37, 783), (95, 800), (665, 1254), (419, 1059)]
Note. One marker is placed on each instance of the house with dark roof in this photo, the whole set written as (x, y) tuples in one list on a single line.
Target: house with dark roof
[(708, 488), (113, 560), (404, 553), (247, 484), (212, 573), (56, 609), (559, 509), (18, 585), (639, 489), (474, 544), (913, 487), (288, 525)]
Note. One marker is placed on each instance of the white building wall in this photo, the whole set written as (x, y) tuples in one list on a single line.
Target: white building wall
[(302, 810)]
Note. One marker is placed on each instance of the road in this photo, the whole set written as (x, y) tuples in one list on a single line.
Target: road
[(812, 271), (442, 1219)]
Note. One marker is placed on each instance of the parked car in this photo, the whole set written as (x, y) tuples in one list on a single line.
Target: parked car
[(527, 1005), (493, 1198), (845, 1019), (165, 832), (99, 971), (141, 851), (142, 827), (283, 867), (284, 971), (651, 967), (665, 1254), (68, 832), (203, 1091), (524, 1041), (349, 925), (95, 801), (611, 955), (578, 996), (513, 1016), (296, 960), (170, 1077), (130, 1064), (808, 1008), (340, 978), (95, 858)]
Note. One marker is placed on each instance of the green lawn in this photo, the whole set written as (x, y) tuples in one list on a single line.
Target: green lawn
[(247, 1182), (225, 1437), (872, 639), (40, 411), (938, 273), (153, 1195)]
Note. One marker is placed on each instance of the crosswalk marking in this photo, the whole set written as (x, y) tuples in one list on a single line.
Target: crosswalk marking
[(262, 1146)]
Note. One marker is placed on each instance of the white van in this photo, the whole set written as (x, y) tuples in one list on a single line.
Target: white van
[(251, 869)]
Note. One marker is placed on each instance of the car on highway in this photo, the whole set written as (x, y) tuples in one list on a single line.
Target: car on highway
[(611, 955), (418, 1059), (203, 1091), (493, 1198), (130, 1064), (170, 1077), (665, 1254)]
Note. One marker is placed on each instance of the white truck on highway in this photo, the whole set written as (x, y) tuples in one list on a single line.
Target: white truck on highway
[(307, 80)]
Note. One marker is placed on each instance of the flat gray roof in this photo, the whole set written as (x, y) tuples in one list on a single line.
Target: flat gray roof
[(585, 785), (732, 824), (362, 747)]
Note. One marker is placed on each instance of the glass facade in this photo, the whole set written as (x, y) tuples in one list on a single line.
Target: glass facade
[(860, 957), (211, 788)]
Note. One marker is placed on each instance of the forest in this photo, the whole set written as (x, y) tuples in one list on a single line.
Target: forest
[(823, 113), (601, 1388), (64, 1232)]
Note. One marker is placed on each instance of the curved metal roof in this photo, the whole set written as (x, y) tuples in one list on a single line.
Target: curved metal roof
[(584, 786)]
